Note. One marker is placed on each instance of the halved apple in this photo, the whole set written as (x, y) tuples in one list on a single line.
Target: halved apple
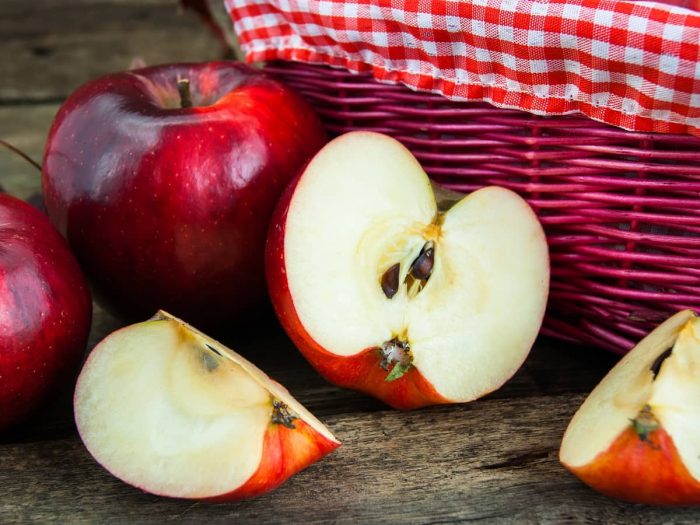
[(637, 436), (389, 288), (167, 409)]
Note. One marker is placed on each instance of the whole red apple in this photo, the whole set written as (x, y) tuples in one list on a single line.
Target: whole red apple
[(164, 180), (45, 310)]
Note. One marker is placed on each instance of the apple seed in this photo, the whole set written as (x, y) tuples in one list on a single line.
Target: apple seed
[(281, 414), (656, 365), (390, 281), (422, 267)]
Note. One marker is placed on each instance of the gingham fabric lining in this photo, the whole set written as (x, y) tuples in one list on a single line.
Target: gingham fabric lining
[(635, 65)]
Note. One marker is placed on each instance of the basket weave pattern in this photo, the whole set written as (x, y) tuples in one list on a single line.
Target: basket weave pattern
[(621, 210)]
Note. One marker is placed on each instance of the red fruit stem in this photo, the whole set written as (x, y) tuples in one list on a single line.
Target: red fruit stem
[(21, 153), (183, 86)]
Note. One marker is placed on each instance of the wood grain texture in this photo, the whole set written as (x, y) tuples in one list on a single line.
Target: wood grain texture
[(25, 127), (549, 370), (491, 461), (49, 48)]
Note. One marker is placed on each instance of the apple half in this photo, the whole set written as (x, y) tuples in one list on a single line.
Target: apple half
[(392, 289), (167, 409), (637, 436)]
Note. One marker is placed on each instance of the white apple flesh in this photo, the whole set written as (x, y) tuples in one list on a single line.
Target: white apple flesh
[(637, 436), (167, 409), (364, 205)]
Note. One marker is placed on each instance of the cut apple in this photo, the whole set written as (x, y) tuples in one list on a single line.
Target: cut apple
[(637, 436), (167, 409), (387, 292)]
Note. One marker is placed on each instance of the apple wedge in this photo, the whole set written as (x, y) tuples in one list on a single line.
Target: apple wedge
[(388, 288), (167, 409), (637, 436)]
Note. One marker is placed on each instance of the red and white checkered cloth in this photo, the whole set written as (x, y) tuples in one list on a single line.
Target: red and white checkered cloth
[(635, 65)]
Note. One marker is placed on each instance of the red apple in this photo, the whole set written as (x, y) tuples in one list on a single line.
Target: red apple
[(45, 310), (171, 411), (168, 206), (387, 291), (637, 436)]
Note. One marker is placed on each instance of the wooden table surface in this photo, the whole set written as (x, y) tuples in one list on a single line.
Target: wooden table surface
[(494, 460)]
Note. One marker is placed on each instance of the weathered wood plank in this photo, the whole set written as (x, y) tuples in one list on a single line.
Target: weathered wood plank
[(26, 127), (49, 48), (493, 461), (550, 369)]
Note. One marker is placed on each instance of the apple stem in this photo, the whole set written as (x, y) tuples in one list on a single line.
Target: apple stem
[(21, 153), (281, 414), (645, 423), (397, 353), (183, 87)]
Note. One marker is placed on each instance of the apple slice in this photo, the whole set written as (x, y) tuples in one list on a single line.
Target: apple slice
[(387, 291), (167, 409), (637, 436)]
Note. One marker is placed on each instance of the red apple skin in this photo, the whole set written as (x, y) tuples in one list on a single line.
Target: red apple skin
[(639, 470), (359, 372), (168, 207), (45, 310), (286, 451)]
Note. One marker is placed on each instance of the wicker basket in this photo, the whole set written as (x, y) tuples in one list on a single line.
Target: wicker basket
[(621, 209)]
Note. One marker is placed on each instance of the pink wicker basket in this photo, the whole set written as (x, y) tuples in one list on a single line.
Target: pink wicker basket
[(621, 209)]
